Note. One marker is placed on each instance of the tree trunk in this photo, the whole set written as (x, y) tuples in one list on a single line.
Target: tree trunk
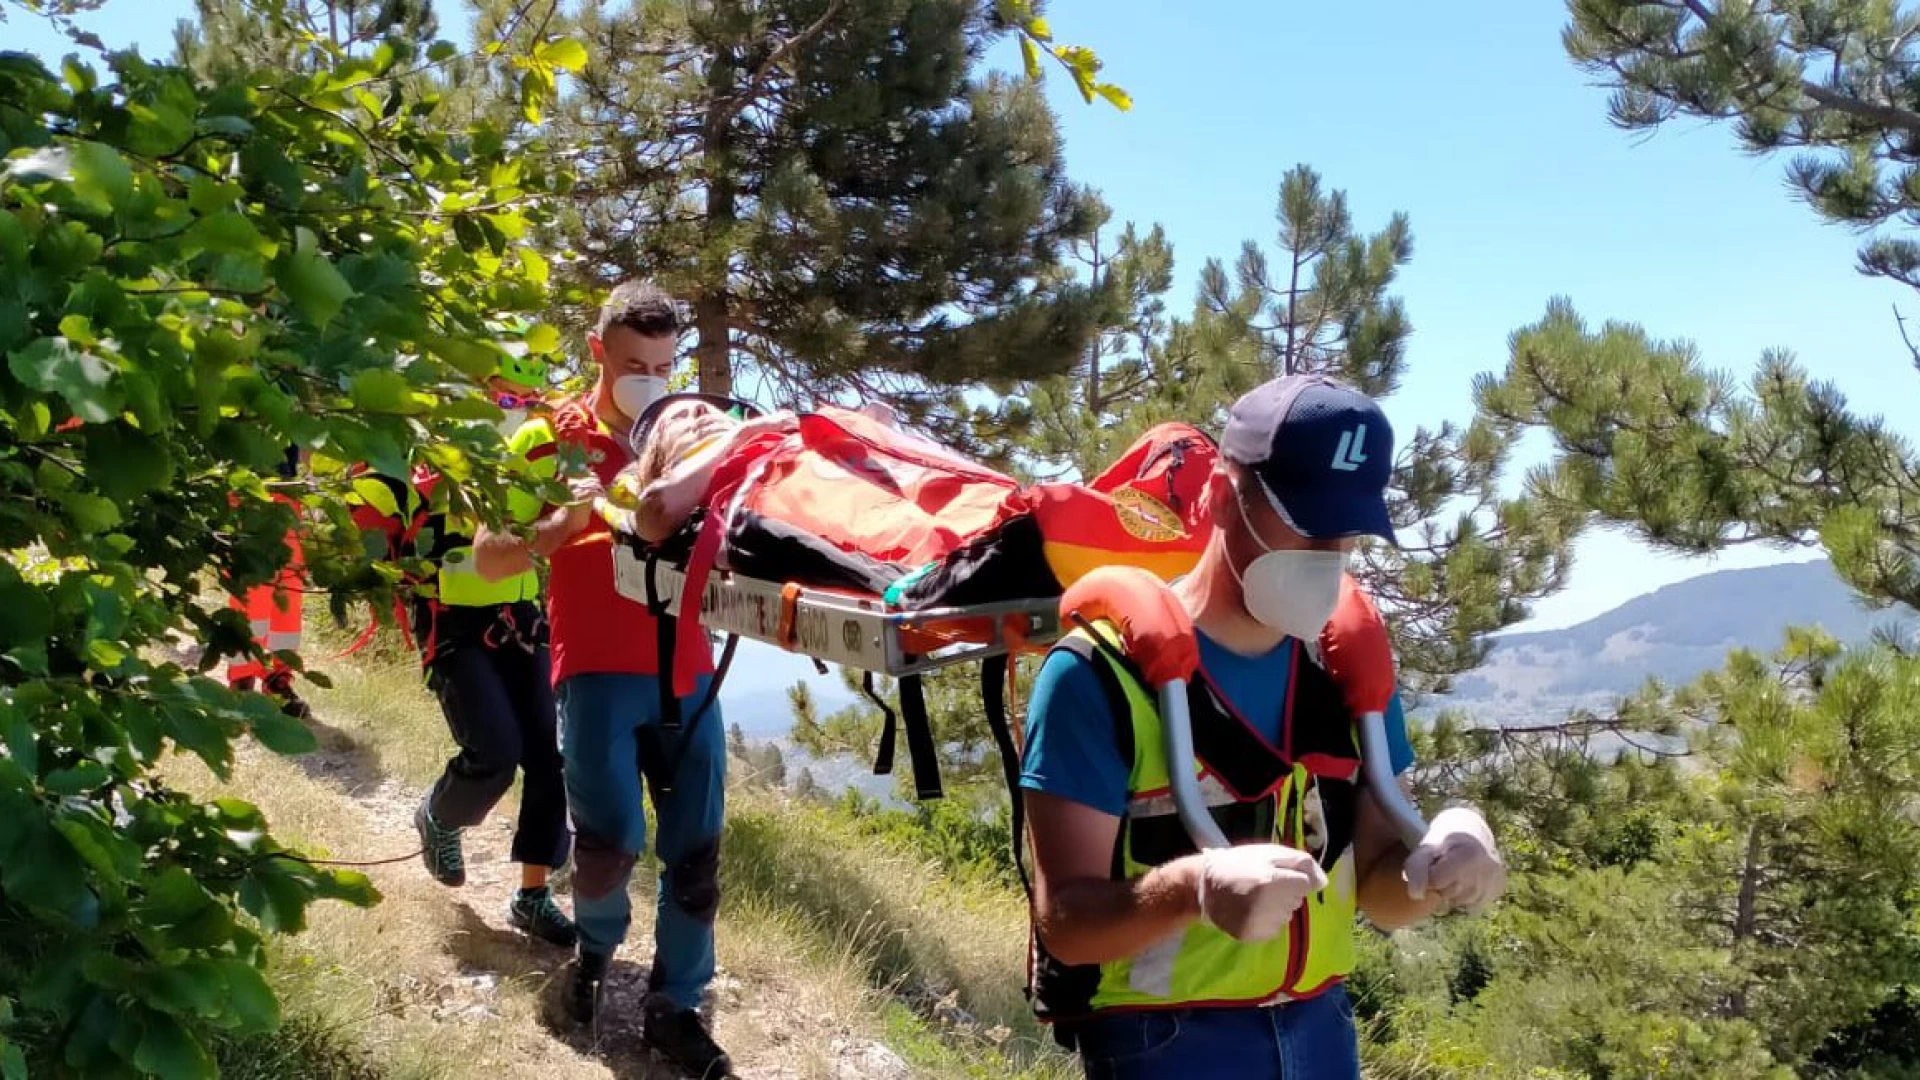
[(1745, 919), (712, 320), (1093, 348)]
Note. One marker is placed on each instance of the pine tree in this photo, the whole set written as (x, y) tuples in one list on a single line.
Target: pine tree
[(846, 204), (231, 37), (1784, 849), (1074, 423), (1469, 561), (1832, 78), (1325, 308)]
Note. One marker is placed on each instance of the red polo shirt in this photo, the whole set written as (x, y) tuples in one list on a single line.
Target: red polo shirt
[(594, 628)]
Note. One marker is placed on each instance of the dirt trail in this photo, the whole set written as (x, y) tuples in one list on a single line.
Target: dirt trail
[(491, 987)]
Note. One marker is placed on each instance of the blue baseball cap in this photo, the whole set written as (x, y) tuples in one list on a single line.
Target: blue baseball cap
[(1323, 453)]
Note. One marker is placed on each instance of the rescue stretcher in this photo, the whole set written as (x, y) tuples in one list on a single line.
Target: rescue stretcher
[(862, 632), (839, 627)]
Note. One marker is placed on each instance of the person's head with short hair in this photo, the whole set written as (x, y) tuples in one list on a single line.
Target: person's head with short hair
[(635, 342), (1304, 466)]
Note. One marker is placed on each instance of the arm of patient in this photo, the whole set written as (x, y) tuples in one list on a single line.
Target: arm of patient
[(666, 502)]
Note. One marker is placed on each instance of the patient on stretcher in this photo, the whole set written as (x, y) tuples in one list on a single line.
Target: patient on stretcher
[(848, 499), (671, 471), (673, 468)]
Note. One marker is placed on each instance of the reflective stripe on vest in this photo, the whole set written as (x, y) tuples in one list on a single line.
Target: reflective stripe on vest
[(1203, 964)]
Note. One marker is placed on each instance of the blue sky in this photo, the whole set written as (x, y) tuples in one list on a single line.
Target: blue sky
[(1498, 149)]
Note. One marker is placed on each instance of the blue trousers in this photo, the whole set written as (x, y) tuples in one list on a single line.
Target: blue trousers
[(609, 725), (1302, 1040)]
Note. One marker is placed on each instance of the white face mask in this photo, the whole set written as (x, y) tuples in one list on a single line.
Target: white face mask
[(1293, 592), (515, 417), (633, 393)]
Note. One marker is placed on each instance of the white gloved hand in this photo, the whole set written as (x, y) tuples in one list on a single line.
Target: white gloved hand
[(586, 488), (1458, 860), (1252, 890)]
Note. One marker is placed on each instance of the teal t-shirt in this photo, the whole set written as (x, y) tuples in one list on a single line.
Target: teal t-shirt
[(1070, 749)]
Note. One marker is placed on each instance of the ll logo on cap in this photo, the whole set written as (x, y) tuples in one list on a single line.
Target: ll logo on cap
[(1348, 456)]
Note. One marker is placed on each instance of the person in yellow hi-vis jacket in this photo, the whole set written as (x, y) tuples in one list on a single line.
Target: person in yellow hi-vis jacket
[(1155, 959), (484, 647)]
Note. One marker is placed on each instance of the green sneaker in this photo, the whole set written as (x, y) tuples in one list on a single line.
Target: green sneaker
[(533, 912), (440, 849)]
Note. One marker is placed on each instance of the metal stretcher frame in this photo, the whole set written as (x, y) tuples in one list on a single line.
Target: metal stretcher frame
[(838, 627), (858, 630)]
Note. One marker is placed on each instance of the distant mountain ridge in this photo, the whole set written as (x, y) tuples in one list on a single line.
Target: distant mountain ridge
[(1675, 633)]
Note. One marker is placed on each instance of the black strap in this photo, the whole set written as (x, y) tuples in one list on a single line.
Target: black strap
[(883, 756), (920, 744), (1118, 707), (993, 694), (727, 651), (665, 629)]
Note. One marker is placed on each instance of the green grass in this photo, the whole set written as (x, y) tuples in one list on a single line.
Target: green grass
[(301, 1049)]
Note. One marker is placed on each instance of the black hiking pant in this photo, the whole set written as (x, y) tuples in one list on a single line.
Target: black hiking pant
[(494, 681)]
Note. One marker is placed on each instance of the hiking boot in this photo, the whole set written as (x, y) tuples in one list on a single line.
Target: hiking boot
[(440, 849), (533, 912), (280, 685), (680, 1036), (583, 994)]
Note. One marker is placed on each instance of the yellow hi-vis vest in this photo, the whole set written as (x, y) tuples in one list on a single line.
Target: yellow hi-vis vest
[(447, 540), (1309, 802)]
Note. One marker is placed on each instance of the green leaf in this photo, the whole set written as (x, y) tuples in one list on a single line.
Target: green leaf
[(1030, 56), (174, 897), (92, 513), (228, 232), (126, 464), (184, 989), (100, 175), (475, 359), (1038, 27), (14, 242), (1119, 98), (537, 271), (77, 75), (543, 338), (88, 383), (231, 126), (311, 281), (112, 856), (275, 729), (79, 330), (249, 997), (205, 195), (278, 901), (382, 390), (82, 777), (29, 658), (567, 54), (170, 1051), (21, 742), (105, 656), (158, 130), (442, 51), (471, 407), (13, 1062)]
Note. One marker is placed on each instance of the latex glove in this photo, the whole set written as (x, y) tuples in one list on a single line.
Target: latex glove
[(586, 488), (1458, 860), (1252, 890)]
